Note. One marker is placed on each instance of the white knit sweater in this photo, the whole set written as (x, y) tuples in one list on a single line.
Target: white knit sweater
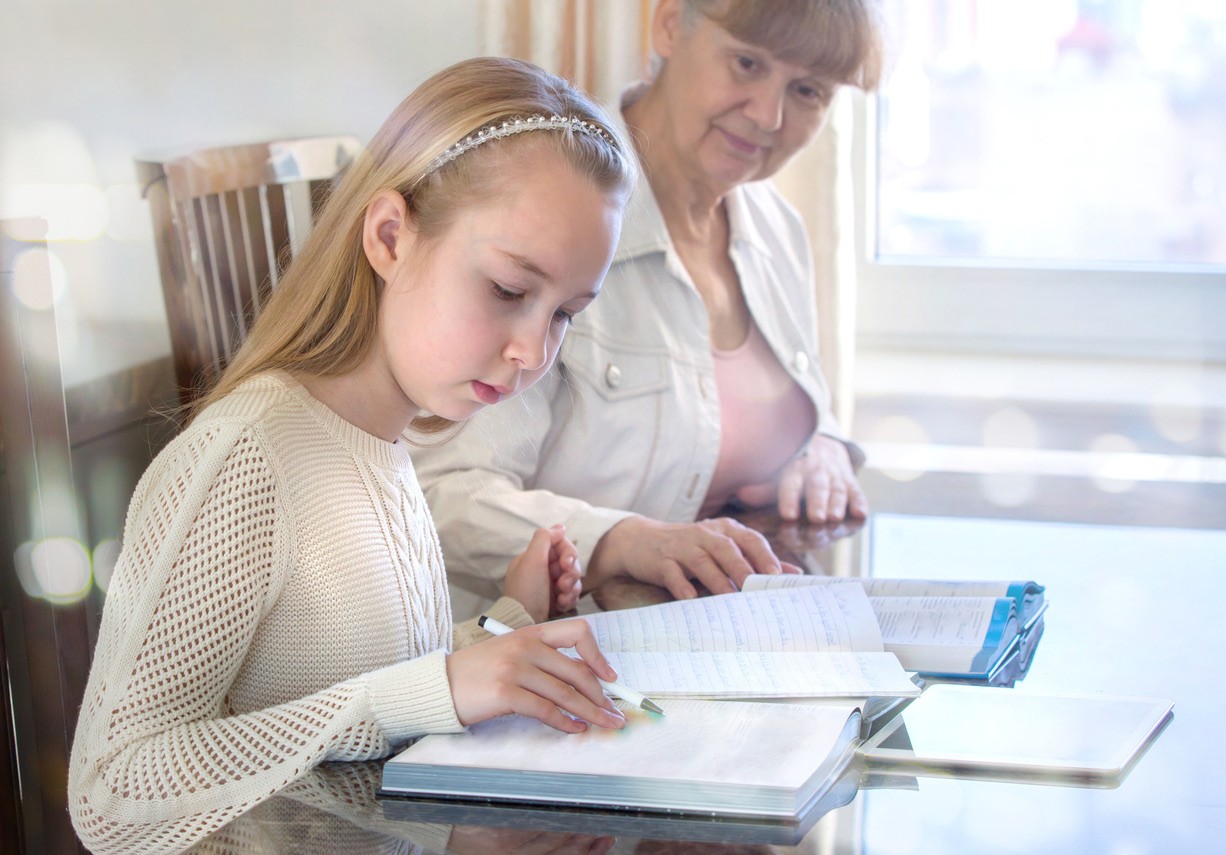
[(280, 601)]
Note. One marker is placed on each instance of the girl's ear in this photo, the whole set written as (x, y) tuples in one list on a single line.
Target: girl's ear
[(387, 232)]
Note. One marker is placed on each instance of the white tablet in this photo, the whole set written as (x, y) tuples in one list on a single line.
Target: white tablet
[(1003, 734)]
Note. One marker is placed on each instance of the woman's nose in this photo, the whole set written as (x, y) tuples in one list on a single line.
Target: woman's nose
[(765, 105)]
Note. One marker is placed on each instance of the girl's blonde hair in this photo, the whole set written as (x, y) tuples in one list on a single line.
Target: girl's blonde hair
[(838, 39), (322, 316)]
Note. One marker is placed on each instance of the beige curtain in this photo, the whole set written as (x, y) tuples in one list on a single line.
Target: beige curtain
[(601, 45), (818, 182)]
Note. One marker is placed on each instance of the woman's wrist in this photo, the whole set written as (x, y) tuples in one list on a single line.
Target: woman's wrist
[(606, 562)]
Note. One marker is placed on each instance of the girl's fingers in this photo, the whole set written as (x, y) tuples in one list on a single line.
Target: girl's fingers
[(576, 633), (563, 695)]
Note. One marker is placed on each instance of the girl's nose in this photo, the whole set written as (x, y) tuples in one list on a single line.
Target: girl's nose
[(529, 347)]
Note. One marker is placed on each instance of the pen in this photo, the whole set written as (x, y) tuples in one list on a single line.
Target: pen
[(616, 689)]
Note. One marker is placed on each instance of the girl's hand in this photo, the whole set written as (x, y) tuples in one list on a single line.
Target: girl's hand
[(524, 673), (566, 583), (544, 578)]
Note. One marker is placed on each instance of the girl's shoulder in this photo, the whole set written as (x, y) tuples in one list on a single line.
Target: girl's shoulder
[(252, 400), (217, 431)]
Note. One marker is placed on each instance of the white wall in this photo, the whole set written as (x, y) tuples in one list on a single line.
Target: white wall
[(87, 84)]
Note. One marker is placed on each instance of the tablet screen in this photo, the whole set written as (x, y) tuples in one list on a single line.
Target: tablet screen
[(1003, 730)]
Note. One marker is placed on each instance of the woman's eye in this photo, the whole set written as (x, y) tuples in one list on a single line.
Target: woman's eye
[(814, 93), (561, 316)]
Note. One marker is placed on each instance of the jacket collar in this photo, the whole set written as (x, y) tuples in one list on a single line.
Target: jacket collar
[(643, 229)]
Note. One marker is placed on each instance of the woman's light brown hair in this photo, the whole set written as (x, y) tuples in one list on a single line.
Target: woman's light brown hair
[(837, 39)]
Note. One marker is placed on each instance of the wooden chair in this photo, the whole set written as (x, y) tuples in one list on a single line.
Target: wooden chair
[(226, 222)]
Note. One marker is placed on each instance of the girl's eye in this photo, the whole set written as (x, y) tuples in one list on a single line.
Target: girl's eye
[(746, 63), (561, 316), (506, 294)]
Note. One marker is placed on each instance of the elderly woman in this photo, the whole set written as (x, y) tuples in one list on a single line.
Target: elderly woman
[(694, 380)]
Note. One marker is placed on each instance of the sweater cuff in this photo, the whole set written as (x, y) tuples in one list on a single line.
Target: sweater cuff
[(504, 610), (412, 698), (509, 611)]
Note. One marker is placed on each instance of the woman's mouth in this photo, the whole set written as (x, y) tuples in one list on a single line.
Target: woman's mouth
[(740, 144)]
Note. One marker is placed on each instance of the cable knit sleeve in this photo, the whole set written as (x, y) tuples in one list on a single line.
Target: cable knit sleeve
[(159, 759)]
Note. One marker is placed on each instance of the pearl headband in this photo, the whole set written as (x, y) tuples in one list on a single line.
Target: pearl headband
[(518, 126)]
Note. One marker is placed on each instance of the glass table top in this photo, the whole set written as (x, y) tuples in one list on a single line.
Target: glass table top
[(1133, 611)]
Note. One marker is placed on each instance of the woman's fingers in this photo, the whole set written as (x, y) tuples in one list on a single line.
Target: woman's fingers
[(719, 553), (792, 484), (754, 547)]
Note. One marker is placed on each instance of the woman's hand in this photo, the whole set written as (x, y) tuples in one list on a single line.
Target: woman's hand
[(545, 578), (523, 672), (719, 553), (823, 476)]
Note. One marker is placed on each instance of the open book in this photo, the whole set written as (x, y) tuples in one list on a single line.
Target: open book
[(958, 635), (1028, 597), (707, 757), (637, 824)]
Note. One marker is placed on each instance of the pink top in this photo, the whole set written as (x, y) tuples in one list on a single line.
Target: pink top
[(764, 419)]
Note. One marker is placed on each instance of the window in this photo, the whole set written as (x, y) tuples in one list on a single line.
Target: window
[(1048, 175)]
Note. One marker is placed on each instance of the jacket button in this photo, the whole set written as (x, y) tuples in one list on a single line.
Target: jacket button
[(612, 376), (800, 362)]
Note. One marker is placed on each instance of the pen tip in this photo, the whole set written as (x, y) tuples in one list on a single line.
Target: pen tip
[(652, 706), (481, 621)]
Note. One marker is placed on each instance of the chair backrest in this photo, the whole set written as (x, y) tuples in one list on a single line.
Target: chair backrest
[(226, 223)]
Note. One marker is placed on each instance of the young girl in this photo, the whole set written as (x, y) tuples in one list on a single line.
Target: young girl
[(281, 599)]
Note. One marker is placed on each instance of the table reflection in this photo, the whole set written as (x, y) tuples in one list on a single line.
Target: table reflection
[(336, 808)]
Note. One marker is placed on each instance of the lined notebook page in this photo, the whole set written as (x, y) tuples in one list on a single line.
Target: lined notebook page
[(816, 618), (764, 675)]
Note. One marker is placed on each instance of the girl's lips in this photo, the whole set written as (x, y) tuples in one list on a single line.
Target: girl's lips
[(486, 393)]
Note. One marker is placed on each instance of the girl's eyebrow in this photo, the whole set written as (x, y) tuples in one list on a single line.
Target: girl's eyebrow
[(526, 264)]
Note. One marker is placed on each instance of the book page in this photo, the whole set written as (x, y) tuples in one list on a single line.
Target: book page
[(764, 675), (878, 587), (752, 744), (934, 620), (820, 618), (1027, 595)]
